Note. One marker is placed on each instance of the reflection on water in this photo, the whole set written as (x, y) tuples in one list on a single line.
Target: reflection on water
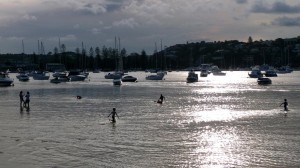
[(220, 121)]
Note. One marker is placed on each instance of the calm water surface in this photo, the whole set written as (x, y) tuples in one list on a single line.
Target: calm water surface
[(220, 121)]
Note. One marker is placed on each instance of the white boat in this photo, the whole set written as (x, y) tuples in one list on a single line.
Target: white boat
[(59, 74), (255, 73), (158, 76), (192, 77), (117, 82), (219, 73), (23, 77), (40, 75), (76, 75), (5, 80), (115, 75), (129, 78), (216, 71)]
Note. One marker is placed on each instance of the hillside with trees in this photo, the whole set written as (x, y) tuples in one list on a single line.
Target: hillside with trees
[(231, 54)]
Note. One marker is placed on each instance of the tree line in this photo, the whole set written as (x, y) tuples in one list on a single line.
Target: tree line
[(226, 54)]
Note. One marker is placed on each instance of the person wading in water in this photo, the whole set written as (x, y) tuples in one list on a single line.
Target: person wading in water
[(285, 105), (113, 115), (21, 98)]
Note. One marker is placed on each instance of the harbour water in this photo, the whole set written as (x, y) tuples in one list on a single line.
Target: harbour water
[(220, 121)]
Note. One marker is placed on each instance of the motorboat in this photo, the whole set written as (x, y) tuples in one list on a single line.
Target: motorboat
[(59, 74), (117, 82), (76, 75), (203, 73), (129, 78), (285, 69), (23, 77), (219, 73), (270, 73), (192, 77), (60, 79), (39, 75), (216, 71), (264, 81), (157, 76), (115, 75), (55, 80), (255, 73), (5, 80)]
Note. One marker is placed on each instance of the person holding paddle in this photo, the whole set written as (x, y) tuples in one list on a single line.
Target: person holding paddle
[(285, 104), (161, 99), (113, 115)]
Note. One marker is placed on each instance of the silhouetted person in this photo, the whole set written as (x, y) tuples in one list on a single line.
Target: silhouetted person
[(21, 98), (27, 100), (113, 115), (161, 99), (285, 105)]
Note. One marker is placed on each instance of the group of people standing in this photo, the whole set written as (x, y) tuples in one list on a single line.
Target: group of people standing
[(24, 103)]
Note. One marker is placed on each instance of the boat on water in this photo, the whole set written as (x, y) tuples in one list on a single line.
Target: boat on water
[(117, 82), (59, 74), (264, 81), (203, 73), (129, 78), (60, 79), (76, 75), (216, 71), (285, 69), (192, 77), (270, 73), (255, 73), (23, 77), (220, 73), (41, 75), (157, 76), (5, 80), (114, 75)]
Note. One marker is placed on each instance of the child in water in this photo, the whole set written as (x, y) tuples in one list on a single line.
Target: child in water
[(285, 104), (113, 115)]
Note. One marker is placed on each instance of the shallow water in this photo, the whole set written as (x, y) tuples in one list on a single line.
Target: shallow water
[(220, 121)]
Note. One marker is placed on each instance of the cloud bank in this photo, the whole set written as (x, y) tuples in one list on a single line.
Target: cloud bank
[(141, 23)]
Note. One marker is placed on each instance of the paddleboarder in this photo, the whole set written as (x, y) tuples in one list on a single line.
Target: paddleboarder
[(113, 115), (285, 105), (161, 99)]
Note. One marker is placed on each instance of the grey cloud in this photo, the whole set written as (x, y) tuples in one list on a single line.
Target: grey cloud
[(287, 21), (241, 1), (276, 7), (130, 22), (98, 7)]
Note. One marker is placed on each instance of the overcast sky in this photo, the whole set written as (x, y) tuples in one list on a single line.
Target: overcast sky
[(141, 23)]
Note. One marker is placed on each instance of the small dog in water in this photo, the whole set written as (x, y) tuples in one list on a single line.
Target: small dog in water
[(78, 97)]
